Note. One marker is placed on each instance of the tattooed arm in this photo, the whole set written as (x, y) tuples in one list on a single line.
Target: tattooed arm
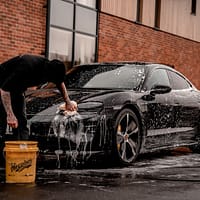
[(6, 100)]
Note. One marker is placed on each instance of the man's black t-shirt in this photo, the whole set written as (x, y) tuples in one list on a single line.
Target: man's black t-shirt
[(21, 72)]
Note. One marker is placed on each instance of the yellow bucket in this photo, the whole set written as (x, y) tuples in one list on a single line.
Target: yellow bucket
[(20, 162)]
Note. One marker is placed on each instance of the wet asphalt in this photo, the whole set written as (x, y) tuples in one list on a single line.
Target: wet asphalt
[(158, 176)]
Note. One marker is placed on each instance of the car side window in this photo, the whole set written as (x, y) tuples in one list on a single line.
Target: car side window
[(177, 81), (157, 77)]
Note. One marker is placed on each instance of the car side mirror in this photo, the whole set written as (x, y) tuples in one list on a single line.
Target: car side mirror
[(160, 89)]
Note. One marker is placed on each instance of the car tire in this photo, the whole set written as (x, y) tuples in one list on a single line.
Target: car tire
[(127, 137)]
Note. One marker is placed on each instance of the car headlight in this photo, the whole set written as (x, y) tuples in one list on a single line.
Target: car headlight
[(91, 105)]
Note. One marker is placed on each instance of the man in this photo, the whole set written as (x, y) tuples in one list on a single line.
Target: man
[(16, 75)]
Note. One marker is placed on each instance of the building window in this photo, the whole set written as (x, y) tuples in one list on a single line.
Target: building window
[(84, 49), (193, 8), (139, 11), (85, 20), (157, 13), (72, 31), (89, 3)]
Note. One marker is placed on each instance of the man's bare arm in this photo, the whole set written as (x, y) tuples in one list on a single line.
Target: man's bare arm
[(69, 105), (6, 100)]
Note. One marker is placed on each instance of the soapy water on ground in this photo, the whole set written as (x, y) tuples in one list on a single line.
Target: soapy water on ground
[(155, 176), (177, 165), (169, 165)]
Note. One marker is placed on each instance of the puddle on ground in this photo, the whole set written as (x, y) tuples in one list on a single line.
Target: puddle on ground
[(184, 167), (148, 169)]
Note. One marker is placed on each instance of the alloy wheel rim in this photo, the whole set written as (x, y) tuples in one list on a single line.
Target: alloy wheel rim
[(127, 138)]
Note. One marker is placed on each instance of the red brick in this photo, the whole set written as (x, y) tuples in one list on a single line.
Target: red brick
[(23, 24)]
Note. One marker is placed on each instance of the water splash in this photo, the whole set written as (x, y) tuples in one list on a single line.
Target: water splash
[(79, 137)]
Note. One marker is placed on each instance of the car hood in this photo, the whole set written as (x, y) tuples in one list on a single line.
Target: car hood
[(46, 102)]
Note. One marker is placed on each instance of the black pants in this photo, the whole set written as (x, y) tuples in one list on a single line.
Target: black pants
[(18, 106)]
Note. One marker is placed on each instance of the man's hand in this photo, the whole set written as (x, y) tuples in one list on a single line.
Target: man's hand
[(12, 121), (6, 100), (70, 106)]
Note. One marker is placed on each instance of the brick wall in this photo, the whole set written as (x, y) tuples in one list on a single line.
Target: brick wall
[(22, 27), (122, 40)]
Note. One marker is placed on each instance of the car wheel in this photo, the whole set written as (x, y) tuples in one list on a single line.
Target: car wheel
[(127, 137)]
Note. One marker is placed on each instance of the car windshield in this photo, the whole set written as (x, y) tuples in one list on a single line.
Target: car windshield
[(106, 77)]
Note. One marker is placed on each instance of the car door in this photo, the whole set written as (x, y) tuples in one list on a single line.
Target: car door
[(186, 107), (160, 111)]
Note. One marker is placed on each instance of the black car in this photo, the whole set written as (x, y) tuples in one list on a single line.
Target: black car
[(124, 109)]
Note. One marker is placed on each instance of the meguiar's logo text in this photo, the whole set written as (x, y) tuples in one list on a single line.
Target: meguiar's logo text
[(21, 166)]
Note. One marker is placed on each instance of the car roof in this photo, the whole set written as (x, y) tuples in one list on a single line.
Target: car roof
[(147, 65), (126, 63), (113, 63)]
